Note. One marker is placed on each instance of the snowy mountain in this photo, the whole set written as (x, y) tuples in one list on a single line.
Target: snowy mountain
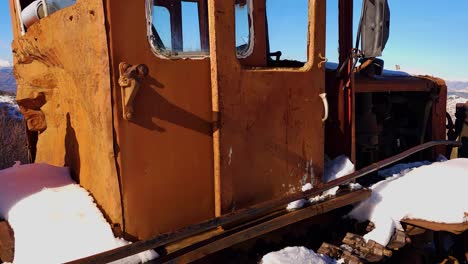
[(7, 80), (452, 102), (5, 63), (457, 86), (457, 93)]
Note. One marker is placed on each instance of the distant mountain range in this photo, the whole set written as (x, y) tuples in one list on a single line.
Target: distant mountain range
[(457, 86), (7, 80), (8, 83)]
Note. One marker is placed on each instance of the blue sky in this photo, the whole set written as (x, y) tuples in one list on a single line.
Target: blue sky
[(5, 31), (426, 36)]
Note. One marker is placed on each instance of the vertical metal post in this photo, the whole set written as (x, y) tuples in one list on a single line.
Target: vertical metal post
[(18, 11), (176, 25), (44, 7), (346, 93), (203, 23)]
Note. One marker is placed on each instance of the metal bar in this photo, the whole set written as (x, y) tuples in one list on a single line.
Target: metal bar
[(243, 233), (44, 7), (176, 25), (345, 30), (345, 41), (18, 11), (257, 210), (203, 24)]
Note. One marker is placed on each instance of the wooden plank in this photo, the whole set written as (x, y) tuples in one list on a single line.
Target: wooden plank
[(271, 225), (456, 228)]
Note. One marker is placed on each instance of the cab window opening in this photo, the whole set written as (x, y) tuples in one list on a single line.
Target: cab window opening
[(287, 32), (179, 28)]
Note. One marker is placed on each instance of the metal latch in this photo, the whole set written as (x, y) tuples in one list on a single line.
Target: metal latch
[(129, 81)]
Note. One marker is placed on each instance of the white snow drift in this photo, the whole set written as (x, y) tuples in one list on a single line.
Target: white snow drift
[(5, 63), (54, 220), (334, 169), (296, 255), (435, 192)]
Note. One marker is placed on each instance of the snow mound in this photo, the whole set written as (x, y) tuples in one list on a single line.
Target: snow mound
[(9, 108), (296, 255), (54, 220), (401, 169), (435, 192), (452, 101), (334, 169)]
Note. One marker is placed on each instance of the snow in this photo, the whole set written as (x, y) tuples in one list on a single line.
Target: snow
[(435, 192), (296, 255), (5, 63), (9, 108), (452, 101), (54, 220), (395, 73), (300, 203), (334, 169), (401, 169), (334, 66)]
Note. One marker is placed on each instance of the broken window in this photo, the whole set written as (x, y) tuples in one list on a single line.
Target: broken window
[(243, 28), (179, 28), (331, 39), (287, 23)]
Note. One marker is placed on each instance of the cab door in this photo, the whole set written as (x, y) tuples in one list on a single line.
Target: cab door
[(164, 148), (270, 132)]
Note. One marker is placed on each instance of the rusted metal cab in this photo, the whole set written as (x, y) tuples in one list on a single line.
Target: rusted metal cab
[(162, 134), (175, 112)]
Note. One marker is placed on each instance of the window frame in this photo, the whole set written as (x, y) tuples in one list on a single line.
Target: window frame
[(250, 22), (204, 36), (170, 54), (287, 60)]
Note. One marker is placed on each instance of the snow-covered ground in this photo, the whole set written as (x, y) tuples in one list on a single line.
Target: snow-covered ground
[(54, 220), (334, 169), (296, 255), (8, 107), (452, 101), (435, 192), (12, 133)]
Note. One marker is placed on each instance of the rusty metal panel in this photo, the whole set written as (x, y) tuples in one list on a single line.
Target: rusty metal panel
[(165, 153), (63, 59), (438, 117), (386, 84), (270, 137)]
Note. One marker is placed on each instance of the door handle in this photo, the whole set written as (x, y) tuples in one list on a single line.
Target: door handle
[(325, 106), (129, 81)]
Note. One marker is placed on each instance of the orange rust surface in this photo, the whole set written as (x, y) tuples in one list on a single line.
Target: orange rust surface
[(209, 136), (7, 242), (271, 133), (65, 57), (165, 153), (439, 109), (392, 84)]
